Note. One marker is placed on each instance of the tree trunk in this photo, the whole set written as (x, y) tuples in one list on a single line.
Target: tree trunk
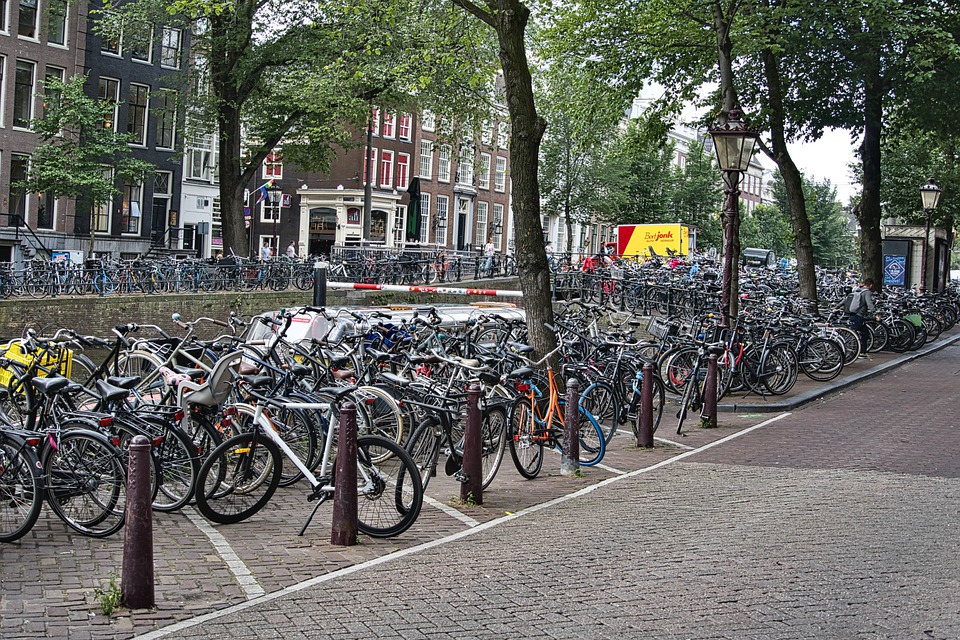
[(871, 246), (232, 183), (793, 184)]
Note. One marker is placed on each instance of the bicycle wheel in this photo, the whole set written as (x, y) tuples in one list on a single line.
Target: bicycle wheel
[(822, 360), (21, 493), (658, 400), (493, 441), (525, 449), (86, 483), (239, 478), (850, 342), (383, 412), (146, 366), (901, 335), (600, 400), (592, 443), (879, 336), (389, 489), (424, 449), (780, 369), (179, 467)]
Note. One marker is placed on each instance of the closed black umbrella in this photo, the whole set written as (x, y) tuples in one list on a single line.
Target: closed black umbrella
[(413, 211)]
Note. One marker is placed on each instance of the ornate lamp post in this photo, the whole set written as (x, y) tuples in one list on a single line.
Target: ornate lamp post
[(733, 143), (930, 195)]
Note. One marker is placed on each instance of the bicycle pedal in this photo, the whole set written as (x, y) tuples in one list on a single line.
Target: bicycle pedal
[(461, 477)]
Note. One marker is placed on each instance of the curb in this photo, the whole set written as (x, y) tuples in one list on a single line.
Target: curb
[(838, 384)]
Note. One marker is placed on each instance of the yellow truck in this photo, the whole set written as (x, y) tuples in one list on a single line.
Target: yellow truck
[(644, 240)]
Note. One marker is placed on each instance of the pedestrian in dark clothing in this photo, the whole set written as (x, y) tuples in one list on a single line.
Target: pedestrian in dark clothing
[(859, 305)]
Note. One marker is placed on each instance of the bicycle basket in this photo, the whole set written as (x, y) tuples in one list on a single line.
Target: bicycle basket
[(13, 351), (914, 319), (660, 328)]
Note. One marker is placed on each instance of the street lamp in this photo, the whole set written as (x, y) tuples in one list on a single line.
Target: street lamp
[(930, 195), (733, 143), (274, 197)]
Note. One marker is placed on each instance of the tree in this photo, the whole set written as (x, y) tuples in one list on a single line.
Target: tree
[(697, 196), (305, 75), (768, 227), (509, 19), (78, 157)]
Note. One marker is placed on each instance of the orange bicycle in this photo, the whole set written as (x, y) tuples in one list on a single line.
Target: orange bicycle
[(536, 418)]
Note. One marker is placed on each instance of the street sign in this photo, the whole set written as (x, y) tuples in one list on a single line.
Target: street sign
[(894, 270)]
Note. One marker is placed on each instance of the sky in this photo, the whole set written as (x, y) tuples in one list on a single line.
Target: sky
[(826, 158)]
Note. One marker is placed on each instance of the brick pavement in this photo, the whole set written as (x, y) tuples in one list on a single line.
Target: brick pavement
[(685, 511)]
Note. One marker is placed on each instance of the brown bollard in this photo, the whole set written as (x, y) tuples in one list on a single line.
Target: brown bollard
[(344, 528), (645, 430), (136, 584), (570, 459), (708, 417), (471, 485)]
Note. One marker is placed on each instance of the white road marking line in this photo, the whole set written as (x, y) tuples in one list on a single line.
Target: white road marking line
[(244, 577), (450, 511), (610, 469), (670, 442), (313, 582)]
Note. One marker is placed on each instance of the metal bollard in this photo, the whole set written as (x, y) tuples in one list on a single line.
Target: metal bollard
[(471, 487), (708, 417), (136, 586), (344, 529), (570, 459), (645, 430), (320, 285)]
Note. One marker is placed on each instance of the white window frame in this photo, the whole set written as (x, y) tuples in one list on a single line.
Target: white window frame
[(424, 216), (66, 25), (389, 130), (5, 17), (272, 166), (403, 170), (36, 21), (115, 98), (405, 127), (141, 140), (480, 233), (483, 178), (426, 159), (486, 133), (386, 169), (465, 165), (503, 136), (498, 220), (500, 175), (31, 111), (104, 211), (443, 216), (399, 224), (164, 47), (428, 121), (168, 100), (135, 188), (3, 91), (149, 52), (443, 163), (375, 121), (373, 165)]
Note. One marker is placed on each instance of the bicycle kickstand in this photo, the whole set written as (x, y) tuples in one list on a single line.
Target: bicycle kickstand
[(310, 517)]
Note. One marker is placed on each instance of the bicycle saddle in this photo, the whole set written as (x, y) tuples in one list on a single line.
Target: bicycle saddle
[(50, 386), (125, 382), (111, 393)]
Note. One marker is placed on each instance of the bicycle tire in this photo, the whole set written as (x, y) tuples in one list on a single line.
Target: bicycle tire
[(592, 443), (781, 378), (493, 441), (424, 449), (822, 359), (238, 478), (600, 399), (526, 451), (901, 335), (384, 471), (179, 468), (86, 483), (21, 491), (383, 411)]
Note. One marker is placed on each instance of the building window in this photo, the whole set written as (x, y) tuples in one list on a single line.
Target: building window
[(486, 134), (165, 110), (110, 43), (137, 103), (3, 87), (426, 159), (443, 203), (500, 177), (49, 95), (502, 135), (27, 27), (56, 22), (273, 166), (4, 27), (170, 48), (141, 48), (109, 90), (18, 198), (46, 210), (483, 179), (375, 121), (406, 126), (103, 212), (443, 163), (371, 162), (131, 208), (389, 125), (403, 170), (481, 233), (428, 121), (465, 165), (199, 158), (497, 225), (424, 217), (386, 168), (23, 94), (399, 225)]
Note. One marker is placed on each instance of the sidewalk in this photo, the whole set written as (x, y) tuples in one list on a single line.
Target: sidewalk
[(668, 498)]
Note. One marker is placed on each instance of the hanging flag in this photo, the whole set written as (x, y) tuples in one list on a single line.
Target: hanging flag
[(413, 211), (262, 192)]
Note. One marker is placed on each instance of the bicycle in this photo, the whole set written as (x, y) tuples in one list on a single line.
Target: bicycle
[(242, 474)]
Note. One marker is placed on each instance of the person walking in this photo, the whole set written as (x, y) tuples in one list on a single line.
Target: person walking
[(292, 250), (266, 251), (489, 250), (548, 248), (859, 305)]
